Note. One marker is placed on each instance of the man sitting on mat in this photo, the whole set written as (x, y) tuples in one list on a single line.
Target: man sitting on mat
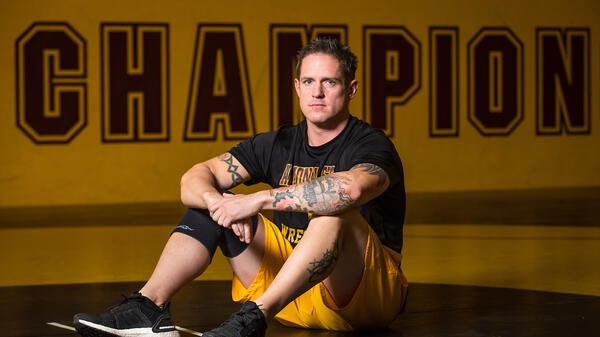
[(329, 259)]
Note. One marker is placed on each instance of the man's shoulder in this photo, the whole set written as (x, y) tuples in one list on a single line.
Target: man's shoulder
[(282, 136), (274, 134), (362, 128), (288, 132)]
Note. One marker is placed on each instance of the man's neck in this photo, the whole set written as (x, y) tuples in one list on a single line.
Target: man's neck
[(319, 135)]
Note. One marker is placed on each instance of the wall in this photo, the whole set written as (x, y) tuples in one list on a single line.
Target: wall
[(111, 101)]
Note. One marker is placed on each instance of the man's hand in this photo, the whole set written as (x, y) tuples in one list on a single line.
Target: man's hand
[(235, 211), (243, 229)]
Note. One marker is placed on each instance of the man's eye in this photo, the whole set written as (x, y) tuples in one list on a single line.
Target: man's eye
[(330, 83)]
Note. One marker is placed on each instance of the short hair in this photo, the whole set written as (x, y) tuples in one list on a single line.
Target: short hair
[(329, 46)]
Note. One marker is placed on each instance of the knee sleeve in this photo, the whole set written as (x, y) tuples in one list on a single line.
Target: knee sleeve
[(198, 224), (230, 244)]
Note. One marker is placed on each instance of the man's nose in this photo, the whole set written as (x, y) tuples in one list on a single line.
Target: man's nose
[(317, 90)]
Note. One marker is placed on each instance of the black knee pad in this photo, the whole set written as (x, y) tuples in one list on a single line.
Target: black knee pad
[(230, 244), (198, 224)]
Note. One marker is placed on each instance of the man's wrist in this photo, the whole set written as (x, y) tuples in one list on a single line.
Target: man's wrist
[(266, 200), (210, 197)]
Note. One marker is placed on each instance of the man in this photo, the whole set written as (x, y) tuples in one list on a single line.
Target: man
[(330, 259)]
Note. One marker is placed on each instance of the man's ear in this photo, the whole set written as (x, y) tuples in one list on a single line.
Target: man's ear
[(352, 88)]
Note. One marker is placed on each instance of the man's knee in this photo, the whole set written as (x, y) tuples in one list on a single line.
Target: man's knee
[(349, 220), (230, 244), (198, 224)]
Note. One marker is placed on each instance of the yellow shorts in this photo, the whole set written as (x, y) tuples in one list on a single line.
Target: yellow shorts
[(379, 297)]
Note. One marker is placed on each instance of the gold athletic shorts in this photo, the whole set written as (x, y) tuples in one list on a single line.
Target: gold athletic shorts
[(378, 300)]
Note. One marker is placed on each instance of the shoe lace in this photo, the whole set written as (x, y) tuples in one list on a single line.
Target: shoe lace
[(240, 320), (124, 300)]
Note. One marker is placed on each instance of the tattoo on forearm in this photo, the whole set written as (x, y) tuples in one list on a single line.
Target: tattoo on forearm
[(374, 170), (236, 178), (285, 199), (323, 195), (309, 194), (318, 269)]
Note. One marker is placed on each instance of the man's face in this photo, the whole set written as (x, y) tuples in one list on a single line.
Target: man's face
[(322, 91)]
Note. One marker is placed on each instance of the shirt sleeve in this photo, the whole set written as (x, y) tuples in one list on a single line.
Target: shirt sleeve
[(376, 148), (255, 155)]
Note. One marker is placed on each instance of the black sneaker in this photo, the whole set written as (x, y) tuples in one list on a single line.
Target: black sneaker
[(135, 316), (248, 322)]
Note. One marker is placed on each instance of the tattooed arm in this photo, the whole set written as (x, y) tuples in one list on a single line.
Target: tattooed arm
[(329, 194), (202, 185), (332, 193)]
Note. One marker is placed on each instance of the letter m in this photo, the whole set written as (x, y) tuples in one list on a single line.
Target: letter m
[(286, 40)]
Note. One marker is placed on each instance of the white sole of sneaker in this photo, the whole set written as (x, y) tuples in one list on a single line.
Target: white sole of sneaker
[(136, 332)]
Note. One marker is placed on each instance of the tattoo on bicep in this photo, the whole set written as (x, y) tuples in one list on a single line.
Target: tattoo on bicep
[(236, 178), (319, 269), (374, 170)]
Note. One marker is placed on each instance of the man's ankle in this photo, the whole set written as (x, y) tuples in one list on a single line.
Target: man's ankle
[(155, 299), (266, 312)]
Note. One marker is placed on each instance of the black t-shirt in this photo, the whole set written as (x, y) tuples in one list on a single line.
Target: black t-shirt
[(283, 157)]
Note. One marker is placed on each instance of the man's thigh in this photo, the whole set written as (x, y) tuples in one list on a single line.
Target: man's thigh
[(348, 272), (375, 300), (247, 264)]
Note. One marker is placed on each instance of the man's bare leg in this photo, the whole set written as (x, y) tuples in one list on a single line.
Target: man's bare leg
[(345, 278), (182, 260), (246, 265), (331, 250)]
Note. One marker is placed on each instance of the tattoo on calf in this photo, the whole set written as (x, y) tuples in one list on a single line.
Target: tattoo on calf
[(236, 178), (319, 268)]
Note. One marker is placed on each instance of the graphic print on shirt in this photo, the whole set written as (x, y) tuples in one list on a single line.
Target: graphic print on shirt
[(293, 235), (293, 175)]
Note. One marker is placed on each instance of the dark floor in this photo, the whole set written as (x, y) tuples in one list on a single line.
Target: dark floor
[(432, 310)]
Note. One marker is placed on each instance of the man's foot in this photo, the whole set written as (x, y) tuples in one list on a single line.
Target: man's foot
[(248, 322), (135, 316)]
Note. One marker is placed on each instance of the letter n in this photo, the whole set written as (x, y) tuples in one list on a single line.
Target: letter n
[(219, 92), (563, 81), (135, 78)]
